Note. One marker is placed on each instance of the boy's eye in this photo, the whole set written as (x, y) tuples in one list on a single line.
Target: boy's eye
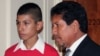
[(26, 23)]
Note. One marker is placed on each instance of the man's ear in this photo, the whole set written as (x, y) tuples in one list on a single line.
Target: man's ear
[(39, 26), (75, 26)]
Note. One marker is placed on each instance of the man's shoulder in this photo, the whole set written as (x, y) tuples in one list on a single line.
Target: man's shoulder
[(88, 42), (87, 48)]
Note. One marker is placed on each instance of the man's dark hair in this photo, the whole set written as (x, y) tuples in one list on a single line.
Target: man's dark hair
[(71, 11), (31, 9)]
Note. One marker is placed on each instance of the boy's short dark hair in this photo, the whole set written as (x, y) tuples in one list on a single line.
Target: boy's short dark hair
[(31, 9)]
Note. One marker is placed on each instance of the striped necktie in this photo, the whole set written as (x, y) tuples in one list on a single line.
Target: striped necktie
[(67, 52)]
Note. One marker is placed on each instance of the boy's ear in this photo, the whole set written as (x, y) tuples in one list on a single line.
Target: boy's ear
[(39, 26)]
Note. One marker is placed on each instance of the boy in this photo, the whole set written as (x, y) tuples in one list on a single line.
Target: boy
[(29, 24)]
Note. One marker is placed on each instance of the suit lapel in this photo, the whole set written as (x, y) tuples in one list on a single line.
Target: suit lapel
[(80, 49)]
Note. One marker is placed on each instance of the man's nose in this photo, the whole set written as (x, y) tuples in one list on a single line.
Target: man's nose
[(54, 30)]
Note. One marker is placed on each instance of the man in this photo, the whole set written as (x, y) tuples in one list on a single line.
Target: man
[(69, 28)]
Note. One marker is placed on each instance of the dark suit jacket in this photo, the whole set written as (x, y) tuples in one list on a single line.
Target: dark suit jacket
[(87, 48)]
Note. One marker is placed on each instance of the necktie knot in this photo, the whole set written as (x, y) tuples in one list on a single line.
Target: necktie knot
[(67, 52)]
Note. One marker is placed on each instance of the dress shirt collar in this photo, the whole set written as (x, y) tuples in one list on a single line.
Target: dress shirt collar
[(76, 44), (39, 45)]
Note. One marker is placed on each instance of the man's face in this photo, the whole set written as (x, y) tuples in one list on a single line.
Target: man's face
[(26, 26), (62, 33)]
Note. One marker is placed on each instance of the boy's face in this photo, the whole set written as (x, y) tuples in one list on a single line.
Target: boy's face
[(27, 27)]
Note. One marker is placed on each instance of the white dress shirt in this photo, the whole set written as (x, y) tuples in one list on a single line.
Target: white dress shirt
[(39, 45), (76, 44)]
